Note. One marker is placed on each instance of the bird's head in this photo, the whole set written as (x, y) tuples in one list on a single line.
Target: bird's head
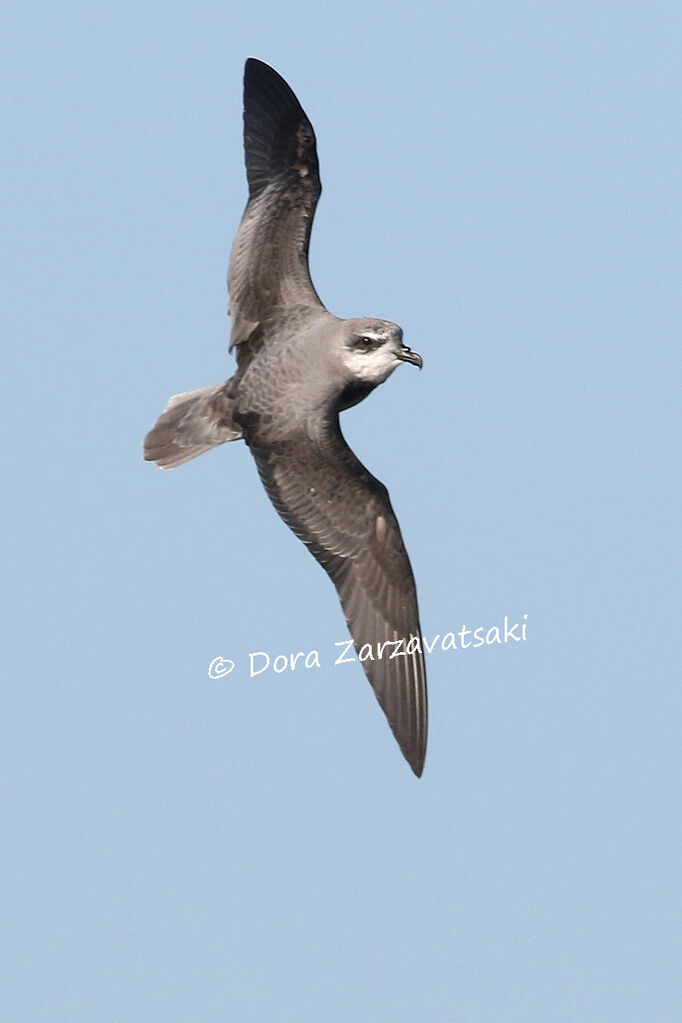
[(372, 349)]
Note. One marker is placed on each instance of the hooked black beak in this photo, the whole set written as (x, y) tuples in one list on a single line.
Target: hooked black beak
[(407, 355)]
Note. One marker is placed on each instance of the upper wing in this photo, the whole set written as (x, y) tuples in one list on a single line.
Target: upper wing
[(268, 272), (344, 517)]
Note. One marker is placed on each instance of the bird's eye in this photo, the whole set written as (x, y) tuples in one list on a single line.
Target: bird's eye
[(367, 344)]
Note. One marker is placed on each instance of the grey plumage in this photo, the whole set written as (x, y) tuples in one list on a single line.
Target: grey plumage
[(298, 366), (191, 423)]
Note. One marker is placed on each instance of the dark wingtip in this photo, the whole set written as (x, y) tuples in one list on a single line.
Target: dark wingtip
[(255, 68), (278, 138), (260, 78), (416, 761)]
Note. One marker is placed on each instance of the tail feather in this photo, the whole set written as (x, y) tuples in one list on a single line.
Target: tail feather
[(191, 423)]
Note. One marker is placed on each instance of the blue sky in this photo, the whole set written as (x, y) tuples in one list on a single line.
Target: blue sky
[(503, 181)]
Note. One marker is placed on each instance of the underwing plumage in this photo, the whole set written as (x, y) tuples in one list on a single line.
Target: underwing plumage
[(298, 367)]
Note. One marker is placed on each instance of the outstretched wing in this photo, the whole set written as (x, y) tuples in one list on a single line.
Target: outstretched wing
[(268, 276), (344, 516)]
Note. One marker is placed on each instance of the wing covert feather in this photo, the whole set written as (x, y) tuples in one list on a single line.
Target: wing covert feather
[(269, 261), (344, 516)]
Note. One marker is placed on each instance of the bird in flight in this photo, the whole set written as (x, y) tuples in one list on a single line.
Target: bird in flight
[(298, 367)]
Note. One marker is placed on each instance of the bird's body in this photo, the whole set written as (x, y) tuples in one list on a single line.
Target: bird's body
[(298, 366)]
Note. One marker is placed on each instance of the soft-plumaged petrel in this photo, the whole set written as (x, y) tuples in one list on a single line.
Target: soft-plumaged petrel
[(298, 367)]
